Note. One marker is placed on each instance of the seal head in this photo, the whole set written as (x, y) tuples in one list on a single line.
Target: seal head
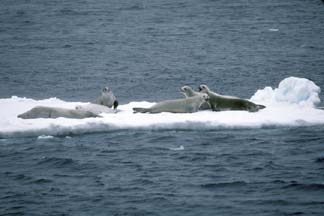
[(188, 91), (203, 88)]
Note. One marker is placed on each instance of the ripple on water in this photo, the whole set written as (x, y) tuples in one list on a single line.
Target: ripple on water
[(294, 185)]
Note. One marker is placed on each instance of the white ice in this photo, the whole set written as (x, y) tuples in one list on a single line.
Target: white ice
[(292, 103)]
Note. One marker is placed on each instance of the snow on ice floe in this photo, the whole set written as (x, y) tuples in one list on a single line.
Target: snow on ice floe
[(292, 103), (45, 137), (291, 91)]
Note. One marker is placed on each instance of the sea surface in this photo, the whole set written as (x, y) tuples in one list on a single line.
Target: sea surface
[(65, 52)]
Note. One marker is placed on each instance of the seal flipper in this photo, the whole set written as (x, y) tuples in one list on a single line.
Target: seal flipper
[(115, 104), (140, 110)]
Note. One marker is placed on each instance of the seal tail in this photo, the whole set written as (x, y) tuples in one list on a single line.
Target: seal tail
[(140, 110), (21, 116), (259, 106), (255, 107)]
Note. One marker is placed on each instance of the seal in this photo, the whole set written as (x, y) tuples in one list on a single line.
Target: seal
[(95, 108), (222, 103), (55, 112), (103, 104), (107, 98), (186, 105), (189, 92)]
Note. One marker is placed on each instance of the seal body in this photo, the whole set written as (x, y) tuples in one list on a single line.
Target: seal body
[(189, 92), (222, 103), (101, 105), (55, 112), (107, 98), (95, 108), (186, 105)]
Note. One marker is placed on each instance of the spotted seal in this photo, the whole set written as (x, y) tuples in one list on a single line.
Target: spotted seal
[(221, 102), (185, 105), (55, 112)]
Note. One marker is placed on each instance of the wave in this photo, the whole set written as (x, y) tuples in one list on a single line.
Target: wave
[(292, 103), (304, 187), (222, 185)]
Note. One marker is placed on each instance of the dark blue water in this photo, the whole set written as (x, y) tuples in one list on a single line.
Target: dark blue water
[(146, 50)]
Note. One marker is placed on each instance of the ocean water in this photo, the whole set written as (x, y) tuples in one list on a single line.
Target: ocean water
[(61, 53)]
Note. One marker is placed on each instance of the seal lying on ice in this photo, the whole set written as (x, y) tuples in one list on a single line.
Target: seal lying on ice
[(55, 112), (186, 105), (103, 104), (221, 102)]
